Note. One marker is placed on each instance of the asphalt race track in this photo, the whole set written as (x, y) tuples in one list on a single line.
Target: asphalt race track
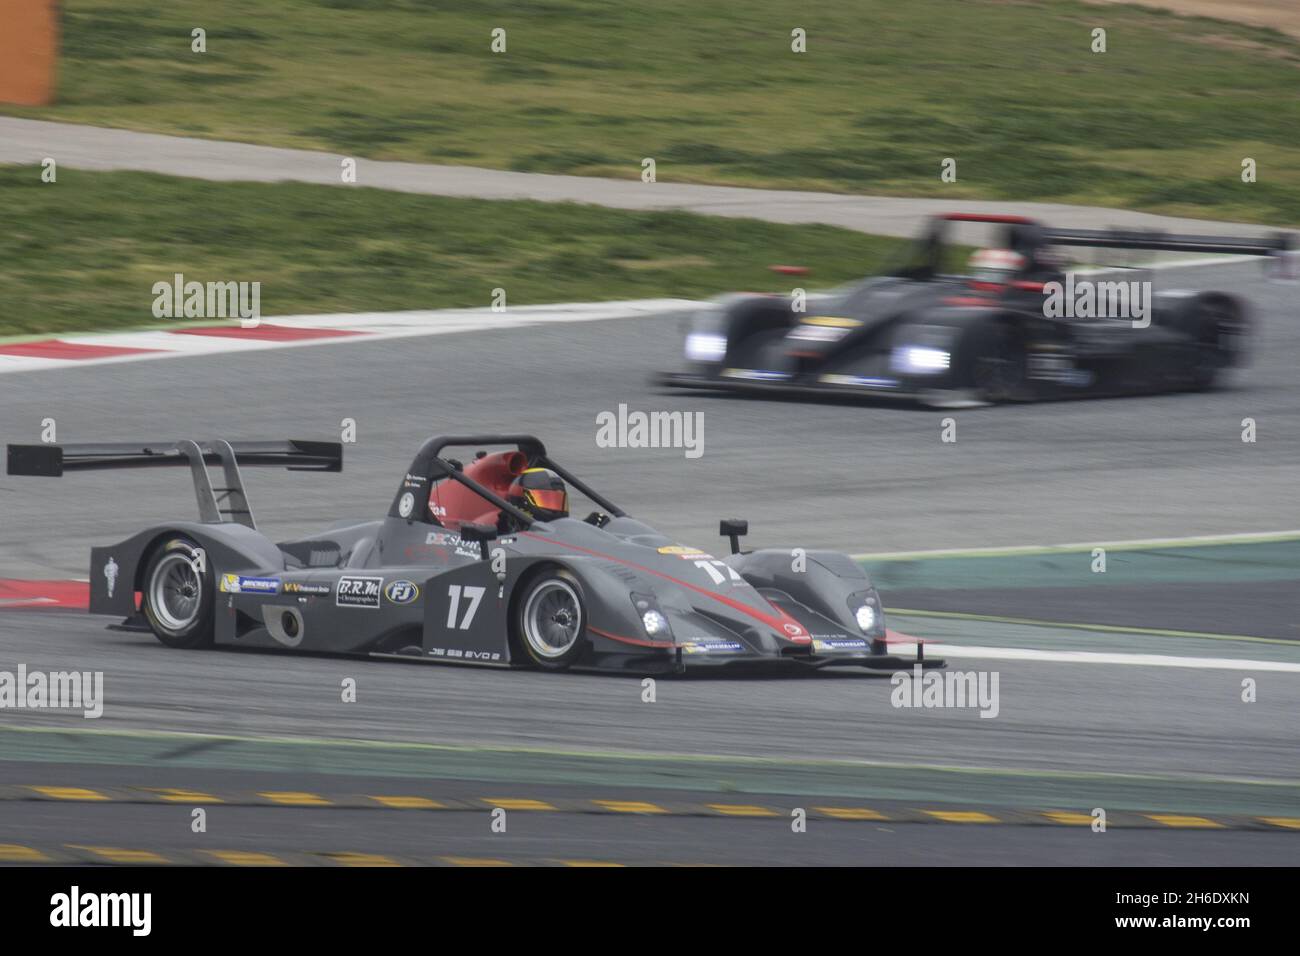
[(857, 478)]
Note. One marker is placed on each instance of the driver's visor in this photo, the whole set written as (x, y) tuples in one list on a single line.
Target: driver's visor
[(547, 499)]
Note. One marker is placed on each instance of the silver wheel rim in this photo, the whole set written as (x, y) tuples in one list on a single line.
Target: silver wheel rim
[(175, 592), (552, 619)]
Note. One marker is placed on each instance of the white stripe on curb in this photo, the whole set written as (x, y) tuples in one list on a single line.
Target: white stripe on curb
[(367, 326)]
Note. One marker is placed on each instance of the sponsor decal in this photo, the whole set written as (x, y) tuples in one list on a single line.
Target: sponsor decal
[(455, 654), (866, 381), (406, 505), (238, 584), (358, 591), (832, 321), (840, 642), (309, 588), (110, 575), (447, 539), (1048, 367), (402, 592), (756, 374), (823, 328), (712, 647), (792, 629), (683, 551)]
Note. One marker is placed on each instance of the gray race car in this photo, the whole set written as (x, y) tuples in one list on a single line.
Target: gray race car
[(476, 562)]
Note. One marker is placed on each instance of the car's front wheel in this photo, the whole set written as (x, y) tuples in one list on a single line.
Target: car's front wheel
[(998, 366), (551, 620), (177, 595)]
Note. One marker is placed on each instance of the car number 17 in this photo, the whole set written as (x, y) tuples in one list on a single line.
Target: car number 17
[(471, 594)]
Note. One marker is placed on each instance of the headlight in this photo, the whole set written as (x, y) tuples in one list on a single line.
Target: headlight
[(866, 616), (920, 359), (653, 620), (705, 347)]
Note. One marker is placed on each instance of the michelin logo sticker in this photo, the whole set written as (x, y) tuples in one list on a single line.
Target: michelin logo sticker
[(236, 584)]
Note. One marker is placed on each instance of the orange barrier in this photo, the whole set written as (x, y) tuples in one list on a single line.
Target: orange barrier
[(29, 51)]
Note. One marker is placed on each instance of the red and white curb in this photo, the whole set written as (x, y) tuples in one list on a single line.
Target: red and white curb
[(300, 330), (21, 593)]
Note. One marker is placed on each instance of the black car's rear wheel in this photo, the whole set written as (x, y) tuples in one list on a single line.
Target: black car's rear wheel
[(551, 620), (1220, 335), (177, 595)]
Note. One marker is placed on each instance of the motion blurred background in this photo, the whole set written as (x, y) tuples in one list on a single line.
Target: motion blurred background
[(1120, 690)]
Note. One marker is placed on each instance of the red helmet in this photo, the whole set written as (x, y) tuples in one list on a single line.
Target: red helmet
[(540, 492)]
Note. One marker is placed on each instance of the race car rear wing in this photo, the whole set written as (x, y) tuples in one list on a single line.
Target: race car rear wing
[(1278, 244), (216, 504), (924, 259)]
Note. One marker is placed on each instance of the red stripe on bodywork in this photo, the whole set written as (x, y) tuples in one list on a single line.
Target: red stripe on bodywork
[(639, 642), (15, 593), (777, 623), (58, 349), (268, 333), (895, 637)]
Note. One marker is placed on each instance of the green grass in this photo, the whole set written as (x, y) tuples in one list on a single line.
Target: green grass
[(886, 90), (84, 253)]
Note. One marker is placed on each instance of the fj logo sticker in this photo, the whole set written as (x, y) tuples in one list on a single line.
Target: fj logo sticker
[(402, 592)]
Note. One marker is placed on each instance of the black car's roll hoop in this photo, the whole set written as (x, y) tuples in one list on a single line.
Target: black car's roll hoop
[(430, 464)]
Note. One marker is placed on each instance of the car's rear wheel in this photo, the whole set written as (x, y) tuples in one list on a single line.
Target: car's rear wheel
[(1220, 334), (551, 620), (177, 595)]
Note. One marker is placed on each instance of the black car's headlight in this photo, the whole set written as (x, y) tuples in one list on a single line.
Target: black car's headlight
[(867, 612), (706, 346)]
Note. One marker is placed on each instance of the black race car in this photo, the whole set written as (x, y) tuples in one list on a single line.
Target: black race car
[(474, 563), (1024, 323)]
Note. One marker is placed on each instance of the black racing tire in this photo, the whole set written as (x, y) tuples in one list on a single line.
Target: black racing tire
[(177, 598), (998, 364), (1219, 331), (549, 625)]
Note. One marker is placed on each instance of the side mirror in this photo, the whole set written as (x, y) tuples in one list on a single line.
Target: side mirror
[(733, 529), (482, 533)]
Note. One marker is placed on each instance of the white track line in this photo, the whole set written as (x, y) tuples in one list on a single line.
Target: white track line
[(1240, 537), (972, 652)]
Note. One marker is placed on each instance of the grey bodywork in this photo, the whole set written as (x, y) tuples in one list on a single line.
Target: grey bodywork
[(402, 585)]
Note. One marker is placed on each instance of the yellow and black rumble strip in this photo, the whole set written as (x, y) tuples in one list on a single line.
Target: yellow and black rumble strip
[(732, 806)]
